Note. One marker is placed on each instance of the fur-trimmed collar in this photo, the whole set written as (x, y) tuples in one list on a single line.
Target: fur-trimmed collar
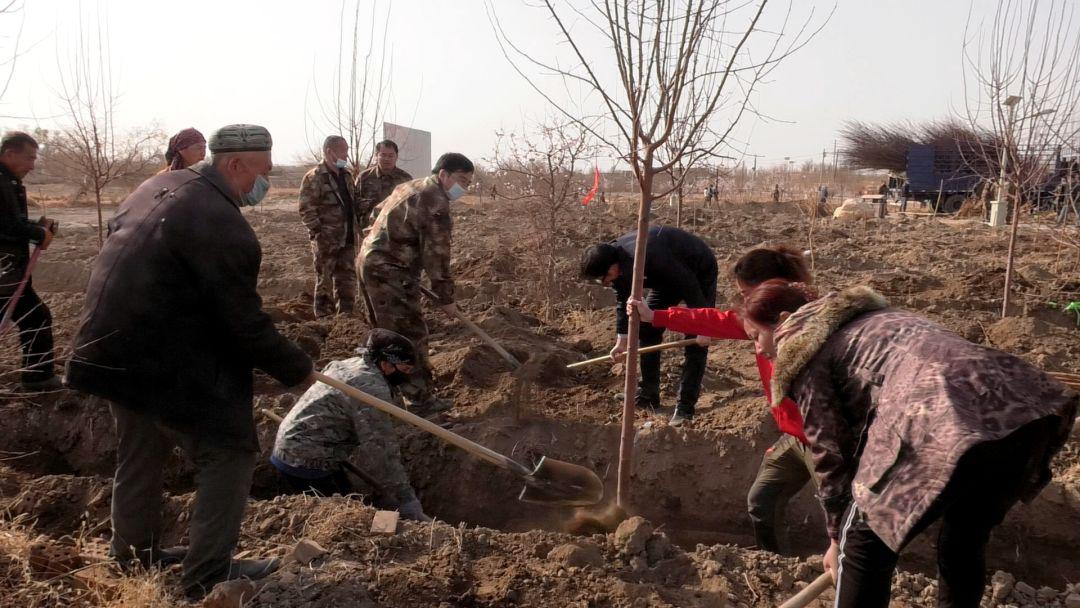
[(804, 333)]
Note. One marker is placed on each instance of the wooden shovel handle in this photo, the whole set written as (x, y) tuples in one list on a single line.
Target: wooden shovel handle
[(426, 425), (641, 351), (810, 592), (475, 329)]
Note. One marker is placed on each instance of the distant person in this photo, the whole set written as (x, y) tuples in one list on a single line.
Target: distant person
[(171, 332), (679, 267), (326, 429), (329, 211), (823, 194), (18, 153), (905, 192), (410, 237), (185, 149), (776, 193), (883, 206), (376, 183)]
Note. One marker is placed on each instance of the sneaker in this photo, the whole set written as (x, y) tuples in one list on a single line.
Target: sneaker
[(50, 384), (680, 418)]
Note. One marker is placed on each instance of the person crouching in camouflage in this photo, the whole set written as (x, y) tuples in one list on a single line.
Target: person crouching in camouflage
[(325, 428), (328, 210), (410, 235)]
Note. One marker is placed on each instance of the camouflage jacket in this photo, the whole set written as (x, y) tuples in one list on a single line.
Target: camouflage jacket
[(372, 188), (412, 233), (326, 428), (322, 210), (891, 402)]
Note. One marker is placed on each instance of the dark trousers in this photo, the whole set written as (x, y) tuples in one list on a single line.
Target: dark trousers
[(334, 483), (784, 470), (693, 370), (987, 482), (222, 480), (34, 321)]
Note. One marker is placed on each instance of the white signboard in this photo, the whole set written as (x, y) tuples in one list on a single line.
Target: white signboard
[(414, 148)]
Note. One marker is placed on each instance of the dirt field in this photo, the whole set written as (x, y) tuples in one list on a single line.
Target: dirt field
[(56, 452)]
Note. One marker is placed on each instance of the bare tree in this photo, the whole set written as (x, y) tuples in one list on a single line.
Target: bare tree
[(11, 55), (539, 169), (672, 80), (90, 145), (355, 101), (1022, 83)]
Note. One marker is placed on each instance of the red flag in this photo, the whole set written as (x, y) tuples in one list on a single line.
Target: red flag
[(595, 187)]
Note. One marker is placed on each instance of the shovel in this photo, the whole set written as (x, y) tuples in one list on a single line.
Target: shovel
[(641, 351), (551, 482), (475, 329), (810, 592)]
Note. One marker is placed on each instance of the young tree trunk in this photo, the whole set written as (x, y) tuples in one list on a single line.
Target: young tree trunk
[(626, 439), (100, 223), (1009, 259)]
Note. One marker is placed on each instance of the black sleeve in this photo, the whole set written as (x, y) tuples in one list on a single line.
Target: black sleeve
[(225, 263), (622, 294), (13, 228)]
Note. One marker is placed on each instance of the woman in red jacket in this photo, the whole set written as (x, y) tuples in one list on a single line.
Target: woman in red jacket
[(786, 466)]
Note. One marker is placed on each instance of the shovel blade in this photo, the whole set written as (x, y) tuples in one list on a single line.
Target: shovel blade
[(556, 482)]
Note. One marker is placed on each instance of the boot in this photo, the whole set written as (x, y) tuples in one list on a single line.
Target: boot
[(45, 385), (253, 569)]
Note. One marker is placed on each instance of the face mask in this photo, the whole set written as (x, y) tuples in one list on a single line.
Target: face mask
[(397, 377), (257, 193), (455, 192), (341, 163)]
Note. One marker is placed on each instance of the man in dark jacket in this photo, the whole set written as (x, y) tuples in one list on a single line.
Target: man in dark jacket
[(18, 153), (170, 333), (679, 268)]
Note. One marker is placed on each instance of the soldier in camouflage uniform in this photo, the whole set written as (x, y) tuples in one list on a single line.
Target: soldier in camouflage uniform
[(329, 212), (326, 429), (376, 183), (410, 236)]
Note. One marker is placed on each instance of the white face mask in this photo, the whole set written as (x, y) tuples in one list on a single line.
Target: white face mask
[(455, 192), (341, 163)]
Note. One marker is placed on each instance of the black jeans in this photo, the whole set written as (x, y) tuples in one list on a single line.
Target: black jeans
[(648, 391), (32, 317), (987, 482)]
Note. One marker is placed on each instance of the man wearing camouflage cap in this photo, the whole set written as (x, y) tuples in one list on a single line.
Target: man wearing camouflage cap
[(412, 235), (171, 331), (326, 429)]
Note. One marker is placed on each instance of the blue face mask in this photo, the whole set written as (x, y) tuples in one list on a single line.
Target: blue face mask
[(455, 192), (257, 193), (341, 163)]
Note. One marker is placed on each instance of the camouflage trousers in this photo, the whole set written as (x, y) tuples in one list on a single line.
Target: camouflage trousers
[(395, 298), (335, 279)]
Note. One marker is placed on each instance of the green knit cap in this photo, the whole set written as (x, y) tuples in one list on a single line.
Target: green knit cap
[(240, 138)]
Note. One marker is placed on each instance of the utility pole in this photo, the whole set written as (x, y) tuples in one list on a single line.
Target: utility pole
[(822, 176), (834, 160)]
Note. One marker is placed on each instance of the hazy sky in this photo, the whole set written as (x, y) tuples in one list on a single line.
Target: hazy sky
[(207, 63)]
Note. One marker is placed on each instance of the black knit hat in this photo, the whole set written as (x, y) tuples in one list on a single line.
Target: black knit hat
[(385, 345), (453, 162)]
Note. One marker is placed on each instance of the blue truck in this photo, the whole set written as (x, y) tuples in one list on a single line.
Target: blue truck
[(933, 174)]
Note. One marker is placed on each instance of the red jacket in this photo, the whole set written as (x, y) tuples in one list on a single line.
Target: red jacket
[(726, 325)]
